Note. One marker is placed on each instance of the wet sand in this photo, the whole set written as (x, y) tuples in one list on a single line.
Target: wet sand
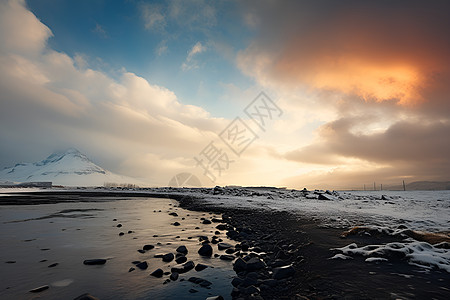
[(280, 238), (46, 245)]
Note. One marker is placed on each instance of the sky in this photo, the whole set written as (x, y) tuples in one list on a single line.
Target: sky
[(316, 94)]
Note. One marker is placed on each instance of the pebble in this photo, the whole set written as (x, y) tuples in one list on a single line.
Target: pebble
[(168, 257), (148, 247), (200, 267), (39, 289), (157, 273), (174, 276), (142, 265), (53, 265), (182, 249), (97, 261), (205, 250)]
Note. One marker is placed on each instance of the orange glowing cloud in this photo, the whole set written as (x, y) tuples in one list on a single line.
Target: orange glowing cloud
[(370, 81)]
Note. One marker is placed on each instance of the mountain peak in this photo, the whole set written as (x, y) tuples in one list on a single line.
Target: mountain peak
[(67, 167)]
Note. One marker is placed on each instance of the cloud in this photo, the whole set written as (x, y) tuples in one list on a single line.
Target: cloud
[(51, 100), (100, 31), (190, 62), (378, 70), (153, 16)]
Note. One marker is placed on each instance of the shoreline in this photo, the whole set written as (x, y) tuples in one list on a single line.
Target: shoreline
[(283, 238)]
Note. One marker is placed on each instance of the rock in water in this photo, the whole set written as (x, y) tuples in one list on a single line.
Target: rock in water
[(86, 297), (181, 259), (168, 257), (142, 265), (157, 273), (224, 246), (200, 267), (148, 247), (174, 276), (182, 249), (97, 261), (205, 250), (39, 289)]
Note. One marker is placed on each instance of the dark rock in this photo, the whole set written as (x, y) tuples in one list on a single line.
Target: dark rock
[(130, 231), (206, 250), (216, 220), (168, 257), (230, 251), (255, 264), (86, 296), (98, 261), (121, 233), (39, 289), (159, 255), (200, 267), (227, 257), (174, 276), (222, 226), (223, 246), (119, 225), (141, 251), (239, 265), (157, 273), (142, 265), (206, 221), (236, 281), (251, 290), (148, 247), (181, 259), (173, 214), (13, 261), (183, 268), (131, 269), (283, 272), (53, 265), (182, 249), (176, 224), (200, 281)]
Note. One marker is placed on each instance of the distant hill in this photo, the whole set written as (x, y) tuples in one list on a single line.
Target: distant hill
[(68, 168), (422, 186)]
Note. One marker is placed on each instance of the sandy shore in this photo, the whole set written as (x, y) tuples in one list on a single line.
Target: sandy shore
[(287, 256)]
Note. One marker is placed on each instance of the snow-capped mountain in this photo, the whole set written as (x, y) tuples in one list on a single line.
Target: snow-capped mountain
[(69, 168)]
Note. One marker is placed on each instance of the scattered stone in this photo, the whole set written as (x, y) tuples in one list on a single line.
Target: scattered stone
[(255, 264), (230, 251), (121, 233), (181, 259), (283, 272), (200, 281), (174, 276), (142, 265), (182, 249), (130, 231), (176, 224), (159, 255), (206, 221), (227, 257), (183, 268), (53, 265), (157, 273), (216, 220), (119, 225), (239, 265), (13, 261), (86, 296), (148, 247), (200, 267), (141, 251), (224, 246), (39, 289), (205, 250), (236, 281), (131, 269), (173, 214), (97, 261), (192, 291), (168, 257)]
